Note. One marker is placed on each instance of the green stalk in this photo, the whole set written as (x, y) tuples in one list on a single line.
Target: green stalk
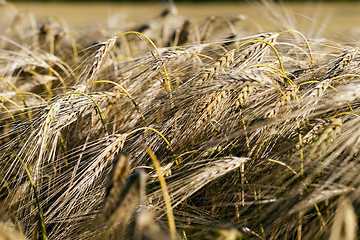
[(97, 106), (41, 218)]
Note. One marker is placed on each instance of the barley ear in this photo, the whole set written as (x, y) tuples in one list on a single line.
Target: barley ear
[(345, 222)]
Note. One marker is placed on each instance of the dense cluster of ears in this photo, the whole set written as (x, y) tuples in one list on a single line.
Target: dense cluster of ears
[(177, 129)]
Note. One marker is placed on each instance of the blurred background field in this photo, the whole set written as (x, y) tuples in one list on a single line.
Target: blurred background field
[(338, 19)]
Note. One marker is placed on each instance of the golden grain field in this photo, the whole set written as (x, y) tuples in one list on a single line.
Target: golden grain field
[(179, 121)]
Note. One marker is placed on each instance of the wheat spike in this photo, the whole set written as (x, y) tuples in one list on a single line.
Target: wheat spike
[(289, 95), (132, 194), (118, 177), (99, 59), (243, 95), (220, 64), (341, 63), (326, 137), (179, 191), (145, 227), (345, 223), (256, 52)]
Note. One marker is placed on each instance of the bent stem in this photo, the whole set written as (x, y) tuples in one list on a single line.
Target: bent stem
[(284, 95), (18, 93), (47, 85), (162, 136), (345, 75), (97, 107), (124, 90), (14, 103), (168, 84), (165, 192), (307, 44), (346, 113), (269, 44), (7, 110), (202, 55)]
